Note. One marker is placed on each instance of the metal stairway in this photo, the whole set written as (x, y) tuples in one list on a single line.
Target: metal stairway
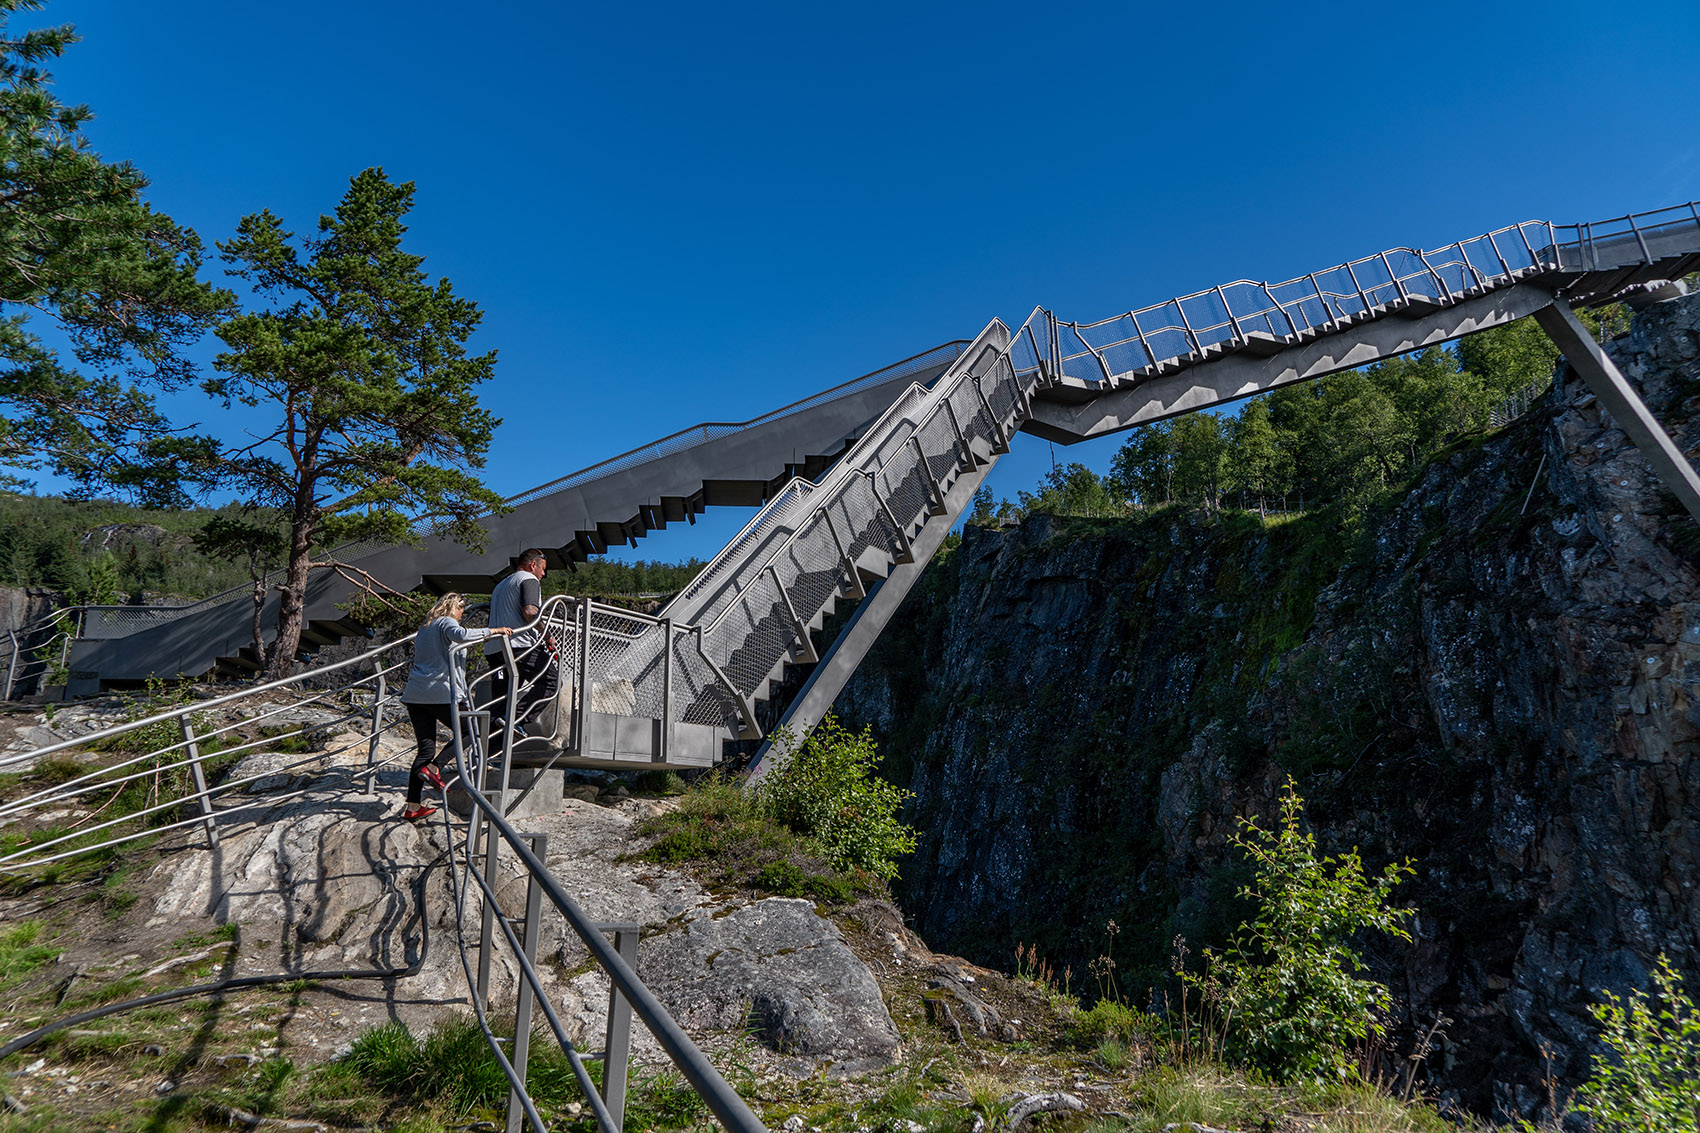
[(860, 524), (618, 500)]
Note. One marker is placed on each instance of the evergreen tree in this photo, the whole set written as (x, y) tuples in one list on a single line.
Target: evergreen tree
[(1254, 453), (79, 245), (363, 360)]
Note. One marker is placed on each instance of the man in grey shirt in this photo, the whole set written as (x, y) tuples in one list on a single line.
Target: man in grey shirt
[(513, 604)]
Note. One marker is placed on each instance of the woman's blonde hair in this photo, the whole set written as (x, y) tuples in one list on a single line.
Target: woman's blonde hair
[(450, 605)]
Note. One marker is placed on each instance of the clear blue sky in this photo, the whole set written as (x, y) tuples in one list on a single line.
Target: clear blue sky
[(682, 212)]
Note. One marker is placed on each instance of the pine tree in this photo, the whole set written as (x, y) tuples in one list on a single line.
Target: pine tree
[(79, 245), (363, 360)]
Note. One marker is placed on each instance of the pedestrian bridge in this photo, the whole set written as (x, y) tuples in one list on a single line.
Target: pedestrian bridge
[(860, 483)]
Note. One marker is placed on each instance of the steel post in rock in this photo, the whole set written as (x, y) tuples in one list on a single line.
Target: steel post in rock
[(617, 1047), (527, 994), (194, 750), (1621, 400)]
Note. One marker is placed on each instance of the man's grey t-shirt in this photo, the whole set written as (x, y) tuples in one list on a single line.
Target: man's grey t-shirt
[(507, 608)]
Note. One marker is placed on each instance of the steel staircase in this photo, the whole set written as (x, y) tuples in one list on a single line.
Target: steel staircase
[(619, 500), (858, 523)]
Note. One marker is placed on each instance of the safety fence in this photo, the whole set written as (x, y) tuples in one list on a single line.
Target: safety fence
[(31, 653), (1268, 317), (155, 770)]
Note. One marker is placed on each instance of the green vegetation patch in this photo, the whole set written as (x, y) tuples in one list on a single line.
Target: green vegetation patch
[(732, 839)]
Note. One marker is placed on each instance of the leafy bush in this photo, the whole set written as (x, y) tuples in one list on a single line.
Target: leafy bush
[(1653, 1081), (826, 788), (1286, 988)]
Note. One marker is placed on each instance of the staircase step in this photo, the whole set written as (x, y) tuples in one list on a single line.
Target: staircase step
[(873, 564)]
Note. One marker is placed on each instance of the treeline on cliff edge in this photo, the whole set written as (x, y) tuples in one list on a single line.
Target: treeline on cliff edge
[(348, 363), (1342, 439)]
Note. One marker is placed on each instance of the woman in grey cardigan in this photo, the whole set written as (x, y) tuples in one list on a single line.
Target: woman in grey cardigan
[(437, 681)]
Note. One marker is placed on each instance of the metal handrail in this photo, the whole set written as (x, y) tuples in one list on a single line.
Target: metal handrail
[(489, 816), (722, 1100), (1568, 248), (829, 488), (674, 442)]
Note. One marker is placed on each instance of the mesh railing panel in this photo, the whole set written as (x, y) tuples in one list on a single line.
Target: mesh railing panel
[(1177, 330)]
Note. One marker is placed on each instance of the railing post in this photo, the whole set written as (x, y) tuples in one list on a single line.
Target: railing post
[(935, 497), (12, 665), (1053, 362), (1327, 311), (805, 645), (857, 589), (746, 706), (523, 1004), (1646, 255), (1504, 267), (1362, 298), (582, 706), (194, 750), (1398, 284), (1233, 322), (969, 460), (992, 416), (905, 554), (492, 856), (666, 689), (372, 741), (617, 1047)]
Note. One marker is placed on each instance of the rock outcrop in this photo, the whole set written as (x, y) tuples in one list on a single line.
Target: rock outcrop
[(1499, 677), (318, 876)]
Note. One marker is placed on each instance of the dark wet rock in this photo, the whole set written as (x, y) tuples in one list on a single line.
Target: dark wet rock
[(1500, 679)]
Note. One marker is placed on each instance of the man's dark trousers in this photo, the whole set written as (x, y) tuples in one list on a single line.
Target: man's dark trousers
[(539, 683)]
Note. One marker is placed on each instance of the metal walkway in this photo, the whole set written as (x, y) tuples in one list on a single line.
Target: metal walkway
[(891, 461), (896, 458)]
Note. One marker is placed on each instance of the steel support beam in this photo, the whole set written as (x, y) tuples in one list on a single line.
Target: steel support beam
[(869, 617), (1620, 399)]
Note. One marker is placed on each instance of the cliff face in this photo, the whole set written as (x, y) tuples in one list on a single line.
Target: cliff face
[(1498, 676)]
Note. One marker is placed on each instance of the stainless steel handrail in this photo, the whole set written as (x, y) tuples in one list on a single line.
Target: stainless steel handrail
[(722, 1100)]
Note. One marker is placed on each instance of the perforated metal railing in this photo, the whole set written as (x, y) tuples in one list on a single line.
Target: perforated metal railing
[(759, 598), (165, 795), (1189, 328), (29, 653), (109, 622)]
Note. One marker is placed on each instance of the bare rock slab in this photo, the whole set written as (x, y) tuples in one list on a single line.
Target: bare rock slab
[(782, 971)]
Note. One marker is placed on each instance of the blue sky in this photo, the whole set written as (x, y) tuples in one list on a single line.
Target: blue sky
[(682, 212)]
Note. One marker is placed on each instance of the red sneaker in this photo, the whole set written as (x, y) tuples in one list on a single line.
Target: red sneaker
[(415, 813), (431, 775)]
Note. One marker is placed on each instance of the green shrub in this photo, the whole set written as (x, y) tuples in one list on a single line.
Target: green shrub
[(1287, 986), (1107, 1020), (826, 788), (734, 838), (1652, 1081), (785, 879)]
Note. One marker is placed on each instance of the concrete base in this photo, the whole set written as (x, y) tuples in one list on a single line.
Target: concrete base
[(531, 791)]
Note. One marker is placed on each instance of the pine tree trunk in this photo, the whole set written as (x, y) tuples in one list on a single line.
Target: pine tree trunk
[(292, 603)]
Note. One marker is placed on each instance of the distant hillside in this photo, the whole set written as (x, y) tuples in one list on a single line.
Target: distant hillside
[(78, 547), (103, 550)]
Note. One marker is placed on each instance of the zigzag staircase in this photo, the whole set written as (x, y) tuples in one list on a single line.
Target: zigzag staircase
[(860, 523)]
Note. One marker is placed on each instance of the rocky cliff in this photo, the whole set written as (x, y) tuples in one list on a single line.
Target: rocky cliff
[(1494, 674)]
